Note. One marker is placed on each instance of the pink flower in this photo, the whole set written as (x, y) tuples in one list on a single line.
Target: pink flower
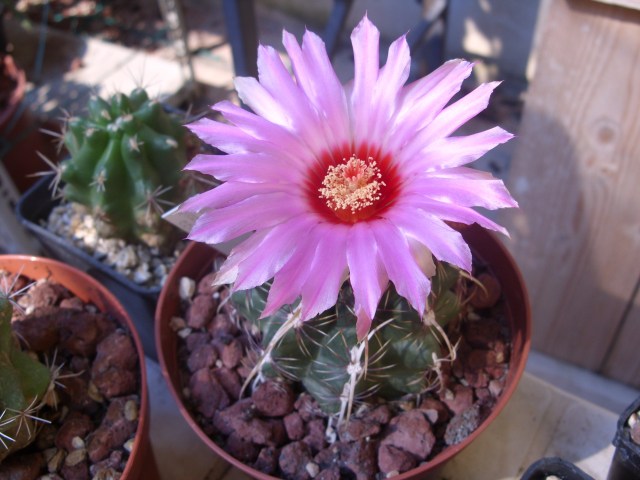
[(334, 180)]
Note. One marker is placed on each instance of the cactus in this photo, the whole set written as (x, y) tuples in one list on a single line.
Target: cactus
[(399, 356), (24, 382), (126, 157)]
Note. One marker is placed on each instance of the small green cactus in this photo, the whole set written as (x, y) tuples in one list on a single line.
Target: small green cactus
[(24, 382), (126, 158), (401, 354)]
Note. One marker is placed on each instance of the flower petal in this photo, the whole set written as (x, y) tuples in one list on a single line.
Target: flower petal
[(254, 213), (365, 39), (409, 280), (367, 275), (442, 241), (246, 167), (228, 194)]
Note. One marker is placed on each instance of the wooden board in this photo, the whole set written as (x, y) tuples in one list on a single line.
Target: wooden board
[(576, 174)]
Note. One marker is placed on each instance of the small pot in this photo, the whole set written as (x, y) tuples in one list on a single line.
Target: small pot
[(554, 466), (141, 464), (626, 459), (34, 208), (197, 260)]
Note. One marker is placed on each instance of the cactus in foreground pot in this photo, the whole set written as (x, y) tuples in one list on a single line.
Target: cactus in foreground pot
[(126, 158), (24, 382), (403, 351)]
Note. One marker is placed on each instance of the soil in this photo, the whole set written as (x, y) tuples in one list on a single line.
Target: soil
[(93, 411), (280, 430)]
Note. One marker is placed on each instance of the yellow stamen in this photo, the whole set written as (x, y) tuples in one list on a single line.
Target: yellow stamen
[(353, 185)]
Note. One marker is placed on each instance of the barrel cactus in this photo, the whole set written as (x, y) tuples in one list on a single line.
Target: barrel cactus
[(402, 354), (125, 161), (24, 382)]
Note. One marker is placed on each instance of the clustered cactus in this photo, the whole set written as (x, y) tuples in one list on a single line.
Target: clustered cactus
[(401, 355), (24, 382), (126, 158)]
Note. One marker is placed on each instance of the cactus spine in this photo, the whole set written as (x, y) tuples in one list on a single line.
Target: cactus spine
[(23, 384), (126, 157), (397, 357)]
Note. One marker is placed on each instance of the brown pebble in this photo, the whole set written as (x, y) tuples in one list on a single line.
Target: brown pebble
[(392, 459), (293, 460), (273, 398), (200, 311), (487, 295), (232, 353), (411, 432)]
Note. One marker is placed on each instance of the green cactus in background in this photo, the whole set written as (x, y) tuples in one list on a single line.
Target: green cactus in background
[(126, 159), (400, 356), (24, 382)]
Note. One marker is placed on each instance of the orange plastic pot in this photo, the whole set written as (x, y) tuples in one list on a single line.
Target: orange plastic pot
[(141, 464), (197, 260)]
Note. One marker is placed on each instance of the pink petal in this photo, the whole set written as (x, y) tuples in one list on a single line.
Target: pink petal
[(452, 152), (274, 250), (246, 167), (450, 119), (367, 275), (317, 79), (228, 194), (409, 280), (256, 97), (424, 99), (326, 273), (255, 213), (365, 40), (443, 241)]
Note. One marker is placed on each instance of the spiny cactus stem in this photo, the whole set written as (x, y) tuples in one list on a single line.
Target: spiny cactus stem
[(293, 321), (429, 319), (356, 369)]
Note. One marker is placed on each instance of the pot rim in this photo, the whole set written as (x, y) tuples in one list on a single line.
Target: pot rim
[(166, 344)]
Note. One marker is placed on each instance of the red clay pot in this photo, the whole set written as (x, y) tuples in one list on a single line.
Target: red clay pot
[(141, 464), (197, 260)]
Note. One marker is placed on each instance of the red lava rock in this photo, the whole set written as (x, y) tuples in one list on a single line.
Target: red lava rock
[(222, 326), (113, 463), (482, 334), (267, 461), (458, 400), (114, 370), (196, 339), (329, 457), (76, 424), (114, 430), (380, 414), (489, 295), (477, 379), (478, 358), (242, 449), (358, 428), (44, 294), (332, 473), (75, 471), (278, 432), (294, 426), (229, 380), (240, 419), (294, 459), (273, 398), (203, 356), (206, 285), (392, 459), (497, 371), (22, 468), (75, 393), (207, 394), (73, 303), (81, 331), (411, 432), (462, 424), (307, 407), (435, 410), (232, 353), (315, 435), (361, 458), (201, 311), (226, 420)]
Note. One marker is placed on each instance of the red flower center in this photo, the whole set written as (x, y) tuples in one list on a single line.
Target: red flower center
[(349, 185)]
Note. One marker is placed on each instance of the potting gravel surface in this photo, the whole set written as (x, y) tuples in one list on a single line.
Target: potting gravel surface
[(281, 431), (94, 406)]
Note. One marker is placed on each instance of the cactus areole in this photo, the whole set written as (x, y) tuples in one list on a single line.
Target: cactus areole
[(347, 194), (126, 158)]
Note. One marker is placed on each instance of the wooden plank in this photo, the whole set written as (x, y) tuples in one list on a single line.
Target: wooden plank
[(575, 173), (623, 362)]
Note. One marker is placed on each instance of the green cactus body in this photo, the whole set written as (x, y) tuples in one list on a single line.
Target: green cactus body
[(324, 353), (123, 154), (23, 383)]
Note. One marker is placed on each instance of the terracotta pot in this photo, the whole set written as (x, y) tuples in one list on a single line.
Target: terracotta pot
[(20, 135), (141, 464), (197, 260)]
